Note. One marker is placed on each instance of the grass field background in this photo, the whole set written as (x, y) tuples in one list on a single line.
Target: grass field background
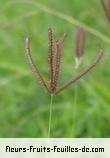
[(82, 110)]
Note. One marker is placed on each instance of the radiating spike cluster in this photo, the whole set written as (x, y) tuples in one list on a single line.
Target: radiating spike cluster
[(80, 44), (54, 60), (106, 6)]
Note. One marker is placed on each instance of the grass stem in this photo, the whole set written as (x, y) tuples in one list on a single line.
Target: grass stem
[(50, 115), (74, 112)]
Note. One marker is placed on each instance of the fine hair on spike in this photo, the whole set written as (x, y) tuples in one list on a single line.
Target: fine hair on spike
[(54, 61), (88, 69), (50, 57), (33, 66), (57, 59)]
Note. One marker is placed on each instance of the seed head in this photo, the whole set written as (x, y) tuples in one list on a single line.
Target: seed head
[(54, 60), (80, 44)]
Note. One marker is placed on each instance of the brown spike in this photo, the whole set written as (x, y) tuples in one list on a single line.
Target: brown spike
[(50, 57), (88, 69), (80, 44), (33, 66), (57, 59)]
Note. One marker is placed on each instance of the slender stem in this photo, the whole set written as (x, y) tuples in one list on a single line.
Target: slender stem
[(50, 115), (74, 111)]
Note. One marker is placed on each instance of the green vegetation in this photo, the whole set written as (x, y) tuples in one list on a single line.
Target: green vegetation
[(82, 110)]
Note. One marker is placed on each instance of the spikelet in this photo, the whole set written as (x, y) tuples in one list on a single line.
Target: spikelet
[(57, 59), (88, 69), (33, 66), (50, 57), (80, 44), (106, 6)]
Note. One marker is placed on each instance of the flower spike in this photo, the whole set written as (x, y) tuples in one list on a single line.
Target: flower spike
[(33, 66), (54, 60), (80, 44), (50, 57), (88, 69), (57, 59)]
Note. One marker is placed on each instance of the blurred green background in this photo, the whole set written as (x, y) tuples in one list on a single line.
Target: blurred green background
[(82, 110)]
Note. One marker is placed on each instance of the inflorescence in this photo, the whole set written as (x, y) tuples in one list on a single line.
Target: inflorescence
[(54, 60)]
